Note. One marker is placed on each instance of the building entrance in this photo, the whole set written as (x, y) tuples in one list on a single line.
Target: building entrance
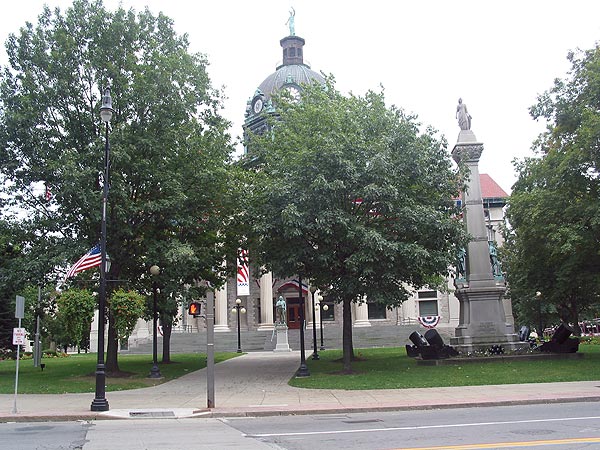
[(293, 313)]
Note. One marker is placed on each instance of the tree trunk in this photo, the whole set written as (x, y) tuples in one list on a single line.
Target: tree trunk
[(575, 317), (112, 349), (167, 327), (348, 352)]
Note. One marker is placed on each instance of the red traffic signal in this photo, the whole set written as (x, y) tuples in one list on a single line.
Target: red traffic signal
[(194, 309)]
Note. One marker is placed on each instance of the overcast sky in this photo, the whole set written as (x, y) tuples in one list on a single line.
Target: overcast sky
[(497, 56)]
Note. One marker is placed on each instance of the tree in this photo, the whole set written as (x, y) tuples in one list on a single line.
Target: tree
[(9, 255), (75, 308), (349, 194), (553, 243), (169, 146), (126, 307)]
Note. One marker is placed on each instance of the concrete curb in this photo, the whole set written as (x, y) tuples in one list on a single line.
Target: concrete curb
[(256, 412)]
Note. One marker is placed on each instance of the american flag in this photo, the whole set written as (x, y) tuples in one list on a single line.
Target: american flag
[(93, 258)]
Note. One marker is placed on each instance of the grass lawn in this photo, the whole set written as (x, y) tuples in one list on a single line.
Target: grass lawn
[(76, 373), (390, 368)]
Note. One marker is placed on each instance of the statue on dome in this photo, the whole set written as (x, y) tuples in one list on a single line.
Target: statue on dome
[(290, 22), (463, 116)]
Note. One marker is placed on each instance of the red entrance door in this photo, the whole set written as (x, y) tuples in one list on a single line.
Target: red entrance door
[(293, 313), (293, 316)]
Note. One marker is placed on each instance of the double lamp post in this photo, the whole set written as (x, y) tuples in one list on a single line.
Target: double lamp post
[(238, 308), (317, 305)]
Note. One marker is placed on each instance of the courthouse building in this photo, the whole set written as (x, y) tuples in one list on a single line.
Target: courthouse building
[(426, 306)]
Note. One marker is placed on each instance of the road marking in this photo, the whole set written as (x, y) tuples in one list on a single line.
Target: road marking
[(422, 427), (507, 444)]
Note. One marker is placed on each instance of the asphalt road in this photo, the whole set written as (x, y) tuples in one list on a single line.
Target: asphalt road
[(562, 426)]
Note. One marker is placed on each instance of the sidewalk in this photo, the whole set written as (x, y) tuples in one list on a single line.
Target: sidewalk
[(256, 384)]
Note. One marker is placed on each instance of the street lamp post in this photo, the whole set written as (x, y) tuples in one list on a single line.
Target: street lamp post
[(100, 403), (155, 371), (238, 308), (315, 354), (538, 296), (322, 308), (303, 369)]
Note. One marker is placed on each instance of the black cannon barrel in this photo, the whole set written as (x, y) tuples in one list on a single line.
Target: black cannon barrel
[(434, 338), (417, 339), (562, 333)]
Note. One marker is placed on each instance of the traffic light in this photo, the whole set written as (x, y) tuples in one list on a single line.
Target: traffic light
[(194, 309)]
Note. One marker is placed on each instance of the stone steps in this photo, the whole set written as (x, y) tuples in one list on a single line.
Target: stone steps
[(265, 340)]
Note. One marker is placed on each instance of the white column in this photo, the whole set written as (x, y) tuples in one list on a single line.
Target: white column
[(362, 314), (266, 302), (309, 314), (221, 310), (94, 333)]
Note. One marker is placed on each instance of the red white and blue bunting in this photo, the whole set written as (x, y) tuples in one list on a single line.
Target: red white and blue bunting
[(429, 321), (243, 273)]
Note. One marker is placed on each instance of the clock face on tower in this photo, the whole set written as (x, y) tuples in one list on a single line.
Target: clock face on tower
[(257, 106)]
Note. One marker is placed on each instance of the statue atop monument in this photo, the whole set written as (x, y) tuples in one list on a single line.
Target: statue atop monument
[(463, 116), (290, 22)]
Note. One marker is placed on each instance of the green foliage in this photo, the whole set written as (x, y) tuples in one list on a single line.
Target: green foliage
[(554, 210), (351, 194), (169, 148), (9, 254), (75, 312), (126, 307)]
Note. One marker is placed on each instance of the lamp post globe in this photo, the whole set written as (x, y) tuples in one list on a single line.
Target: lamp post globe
[(155, 371), (100, 403)]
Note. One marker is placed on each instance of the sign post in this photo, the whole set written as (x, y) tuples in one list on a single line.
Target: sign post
[(18, 340)]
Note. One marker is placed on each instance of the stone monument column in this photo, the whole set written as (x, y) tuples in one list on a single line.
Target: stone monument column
[(266, 302), (482, 319)]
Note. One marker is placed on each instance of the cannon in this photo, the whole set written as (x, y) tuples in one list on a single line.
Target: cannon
[(430, 346), (561, 341)]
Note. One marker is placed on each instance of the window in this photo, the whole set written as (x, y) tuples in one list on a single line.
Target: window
[(428, 308), (292, 52), (376, 310), (328, 315)]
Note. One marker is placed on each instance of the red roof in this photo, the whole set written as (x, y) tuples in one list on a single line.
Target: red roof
[(489, 188)]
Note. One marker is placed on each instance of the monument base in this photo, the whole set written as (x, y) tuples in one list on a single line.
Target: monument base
[(473, 344), (483, 322), (282, 339)]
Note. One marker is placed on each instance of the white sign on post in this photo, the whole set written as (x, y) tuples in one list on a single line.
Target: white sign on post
[(18, 336)]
